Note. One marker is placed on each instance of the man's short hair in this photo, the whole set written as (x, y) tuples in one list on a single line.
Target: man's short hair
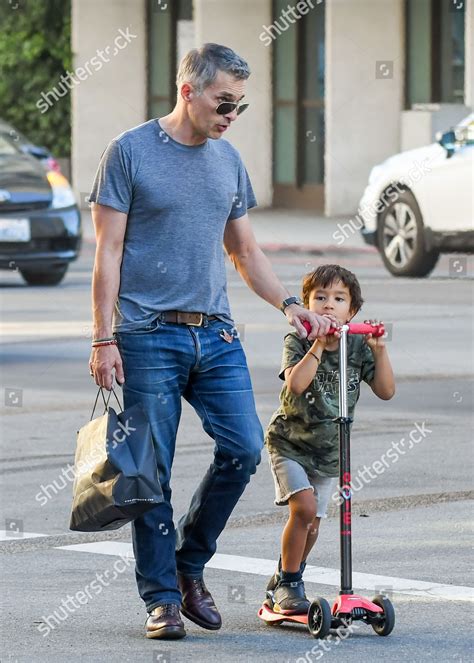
[(199, 67)]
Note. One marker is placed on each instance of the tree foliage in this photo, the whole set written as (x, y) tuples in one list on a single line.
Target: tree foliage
[(35, 50)]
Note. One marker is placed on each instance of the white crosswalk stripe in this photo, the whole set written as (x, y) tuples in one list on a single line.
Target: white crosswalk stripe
[(313, 574), (17, 535)]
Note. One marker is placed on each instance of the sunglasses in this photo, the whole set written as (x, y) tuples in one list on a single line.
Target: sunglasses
[(226, 107)]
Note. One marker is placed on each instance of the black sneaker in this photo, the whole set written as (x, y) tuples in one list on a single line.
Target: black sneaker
[(289, 598), (273, 582)]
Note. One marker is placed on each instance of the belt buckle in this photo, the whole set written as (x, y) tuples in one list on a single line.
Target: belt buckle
[(197, 324)]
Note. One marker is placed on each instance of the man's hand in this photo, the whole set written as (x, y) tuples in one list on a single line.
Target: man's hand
[(320, 324), (102, 362)]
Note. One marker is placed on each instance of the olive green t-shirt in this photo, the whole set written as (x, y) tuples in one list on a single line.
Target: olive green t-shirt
[(303, 428)]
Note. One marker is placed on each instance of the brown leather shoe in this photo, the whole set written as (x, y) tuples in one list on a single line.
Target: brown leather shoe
[(165, 622), (197, 603)]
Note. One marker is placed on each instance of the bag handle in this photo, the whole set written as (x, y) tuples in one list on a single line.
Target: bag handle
[(106, 402)]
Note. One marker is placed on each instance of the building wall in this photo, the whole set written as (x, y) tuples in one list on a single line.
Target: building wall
[(238, 24), (113, 98), (363, 112)]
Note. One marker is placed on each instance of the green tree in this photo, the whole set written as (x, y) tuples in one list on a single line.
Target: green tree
[(35, 50)]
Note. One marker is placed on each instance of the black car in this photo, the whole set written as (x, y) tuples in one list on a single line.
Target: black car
[(26, 146), (40, 222)]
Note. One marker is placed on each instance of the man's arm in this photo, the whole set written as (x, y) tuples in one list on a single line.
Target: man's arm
[(256, 270), (110, 228)]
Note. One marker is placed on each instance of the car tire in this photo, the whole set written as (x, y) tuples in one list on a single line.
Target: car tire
[(51, 276), (401, 238)]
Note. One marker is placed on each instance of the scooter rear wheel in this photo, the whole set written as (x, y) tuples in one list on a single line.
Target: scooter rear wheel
[(386, 626), (319, 618)]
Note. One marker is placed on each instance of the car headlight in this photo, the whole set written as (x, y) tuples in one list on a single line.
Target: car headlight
[(63, 195)]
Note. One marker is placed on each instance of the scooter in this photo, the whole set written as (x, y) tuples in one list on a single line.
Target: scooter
[(348, 607)]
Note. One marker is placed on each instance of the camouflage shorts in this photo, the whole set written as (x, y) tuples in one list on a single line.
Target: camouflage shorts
[(290, 477)]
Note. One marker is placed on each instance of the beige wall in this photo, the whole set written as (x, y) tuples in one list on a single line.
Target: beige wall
[(237, 24), (113, 98), (362, 113)]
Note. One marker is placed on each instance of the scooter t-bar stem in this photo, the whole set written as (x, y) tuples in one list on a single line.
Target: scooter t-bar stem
[(345, 509)]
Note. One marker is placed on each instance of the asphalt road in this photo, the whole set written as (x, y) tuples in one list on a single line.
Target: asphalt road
[(412, 523)]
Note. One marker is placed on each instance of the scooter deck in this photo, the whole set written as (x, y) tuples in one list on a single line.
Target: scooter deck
[(268, 616)]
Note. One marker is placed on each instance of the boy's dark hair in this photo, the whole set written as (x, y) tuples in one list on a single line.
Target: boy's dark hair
[(326, 275)]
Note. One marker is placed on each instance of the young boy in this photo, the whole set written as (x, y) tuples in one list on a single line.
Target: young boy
[(302, 438)]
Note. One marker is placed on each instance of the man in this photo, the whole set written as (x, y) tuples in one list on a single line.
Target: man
[(167, 196)]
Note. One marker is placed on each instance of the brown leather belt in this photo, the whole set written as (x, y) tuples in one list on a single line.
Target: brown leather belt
[(185, 318)]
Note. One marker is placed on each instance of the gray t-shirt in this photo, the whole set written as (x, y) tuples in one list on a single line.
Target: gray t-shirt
[(178, 199)]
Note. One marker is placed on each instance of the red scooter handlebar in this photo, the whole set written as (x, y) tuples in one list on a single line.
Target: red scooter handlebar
[(355, 328)]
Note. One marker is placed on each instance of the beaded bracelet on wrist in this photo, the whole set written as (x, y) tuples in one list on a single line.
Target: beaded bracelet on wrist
[(104, 343)]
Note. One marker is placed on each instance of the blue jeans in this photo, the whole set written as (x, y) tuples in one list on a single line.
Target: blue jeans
[(162, 363)]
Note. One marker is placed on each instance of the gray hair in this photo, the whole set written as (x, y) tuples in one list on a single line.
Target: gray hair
[(200, 66)]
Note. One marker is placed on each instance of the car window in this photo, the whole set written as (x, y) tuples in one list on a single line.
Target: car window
[(12, 134), (464, 132), (465, 135), (467, 120), (6, 148), (470, 134)]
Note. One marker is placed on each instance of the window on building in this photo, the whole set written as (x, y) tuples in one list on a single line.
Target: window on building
[(298, 121), (170, 36), (434, 51)]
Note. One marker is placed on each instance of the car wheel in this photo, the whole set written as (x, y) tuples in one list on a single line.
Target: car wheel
[(51, 276), (401, 240)]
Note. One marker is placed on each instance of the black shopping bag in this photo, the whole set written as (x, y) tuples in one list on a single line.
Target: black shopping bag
[(115, 470)]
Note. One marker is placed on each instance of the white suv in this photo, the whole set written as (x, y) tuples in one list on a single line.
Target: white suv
[(420, 203)]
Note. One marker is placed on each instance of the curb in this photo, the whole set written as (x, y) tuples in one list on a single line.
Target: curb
[(318, 249)]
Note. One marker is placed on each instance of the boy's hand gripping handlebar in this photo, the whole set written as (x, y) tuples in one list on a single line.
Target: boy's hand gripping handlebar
[(355, 328)]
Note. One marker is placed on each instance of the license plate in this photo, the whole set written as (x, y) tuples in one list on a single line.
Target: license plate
[(15, 230)]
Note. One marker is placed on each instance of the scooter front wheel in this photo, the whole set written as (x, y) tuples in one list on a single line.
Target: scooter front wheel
[(384, 626), (319, 618)]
